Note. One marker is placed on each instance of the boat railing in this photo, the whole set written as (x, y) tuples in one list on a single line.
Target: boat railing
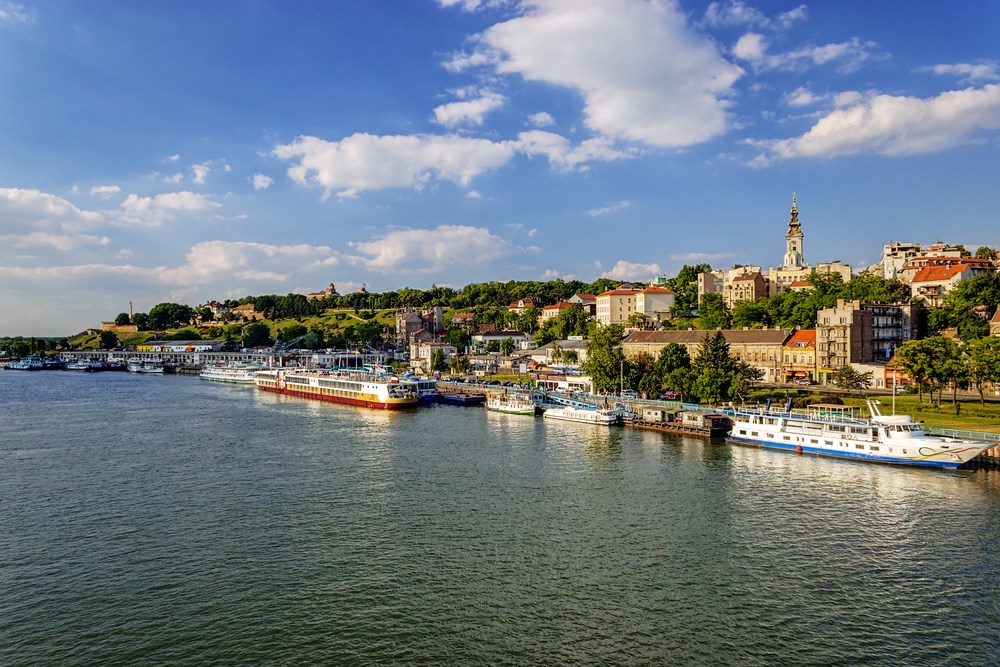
[(964, 435)]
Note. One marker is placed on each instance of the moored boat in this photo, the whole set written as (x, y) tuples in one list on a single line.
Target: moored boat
[(841, 431), (511, 403), (145, 366), (26, 364), (600, 417), (231, 374), (425, 389), (85, 365), (461, 397), (346, 387)]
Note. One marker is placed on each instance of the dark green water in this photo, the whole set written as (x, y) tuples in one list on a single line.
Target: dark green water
[(169, 521)]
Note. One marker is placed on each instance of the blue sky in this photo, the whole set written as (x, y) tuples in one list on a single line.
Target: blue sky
[(189, 151)]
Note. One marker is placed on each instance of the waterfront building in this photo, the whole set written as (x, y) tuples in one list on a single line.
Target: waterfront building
[(760, 348), (934, 280), (180, 346), (798, 356), (481, 340), (861, 333), (554, 353)]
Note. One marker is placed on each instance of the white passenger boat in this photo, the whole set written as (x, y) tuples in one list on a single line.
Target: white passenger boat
[(231, 374), (841, 431), (425, 389), (145, 366), (511, 403), (601, 417), (348, 387)]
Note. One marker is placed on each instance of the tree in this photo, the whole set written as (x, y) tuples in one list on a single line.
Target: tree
[(315, 339), (506, 346), (288, 334), (108, 340), (931, 362), (167, 315), (605, 359), (141, 321), (744, 378), (256, 334), (713, 368), (713, 312), (985, 252), (636, 320), (984, 363), (438, 360), (122, 319), (847, 377)]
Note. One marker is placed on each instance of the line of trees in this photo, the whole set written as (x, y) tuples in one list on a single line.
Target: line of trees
[(938, 363)]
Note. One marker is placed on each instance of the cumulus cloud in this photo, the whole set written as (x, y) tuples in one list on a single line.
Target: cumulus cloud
[(154, 210), (607, 210), (563, 155), (624, 270), (261, 182), (104, 191), (469, 112), (31, 218), (172, 158), (429, 250), (967, 72), (894, 125), (541, 119), (645, 76), (173, 179), (14, 12), (802, 97), (367, 162), (213, 262), (554, 274)]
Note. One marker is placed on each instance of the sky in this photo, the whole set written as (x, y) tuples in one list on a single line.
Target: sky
[(192, 151)]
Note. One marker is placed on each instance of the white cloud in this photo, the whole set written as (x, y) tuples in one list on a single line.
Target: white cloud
[(473, 5), (429, 250), (473, 194), (469, 112), (104, 191), (563, 156), (802, 97), (261, 182), (624, 270), (967, 72), (154, 210), (541, 119), (367, 162), (172, 158), (200, 172), (893, 125), (31, 218), (644, 74), (14, 12), (847, 98), (173, 179), (554, 274), (219, 262), (753, 49), (606, 210), (737, 12)]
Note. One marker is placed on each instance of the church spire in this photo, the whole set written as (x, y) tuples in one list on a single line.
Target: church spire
[(793, 241)]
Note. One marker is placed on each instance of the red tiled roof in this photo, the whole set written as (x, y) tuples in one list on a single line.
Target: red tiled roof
[(619, 292), (801, 283), (585, 297), (802, 338), (930, 274), (558, 306)]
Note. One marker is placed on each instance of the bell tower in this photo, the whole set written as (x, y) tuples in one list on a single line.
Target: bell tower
[(793, 241)]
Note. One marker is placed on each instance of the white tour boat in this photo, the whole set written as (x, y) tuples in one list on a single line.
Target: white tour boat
[(232, 374), (601, 417), (145, 366), (511, 403), (841, 431)]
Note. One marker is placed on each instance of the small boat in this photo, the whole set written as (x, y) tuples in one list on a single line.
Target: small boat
[(145, 366), (461, 398), (425, 389), (600, 416), (840, 431), (512, 404), (26, 364), (85, 365)]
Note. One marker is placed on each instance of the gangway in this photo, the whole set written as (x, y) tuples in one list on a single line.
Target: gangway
[(552, 398)]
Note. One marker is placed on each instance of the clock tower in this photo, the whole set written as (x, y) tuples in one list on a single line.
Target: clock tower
[(793, 241)]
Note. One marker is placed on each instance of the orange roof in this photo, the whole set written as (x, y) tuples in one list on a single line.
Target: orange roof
[(801, 283), (996, 316), (619, 292), (747, 276), (657, 290), (558, 306), (930, 274), (463, 316), (802, 338), (585, 297)]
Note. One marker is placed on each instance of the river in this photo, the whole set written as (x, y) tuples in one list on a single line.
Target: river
[(166, 520)]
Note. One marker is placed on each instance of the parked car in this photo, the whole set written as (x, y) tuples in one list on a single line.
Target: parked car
[(630, 393), (670, 396)]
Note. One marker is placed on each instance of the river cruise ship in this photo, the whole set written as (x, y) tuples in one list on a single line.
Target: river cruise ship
[(841, 431), (347, 387)]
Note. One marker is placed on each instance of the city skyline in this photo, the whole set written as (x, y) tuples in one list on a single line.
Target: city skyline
[(155, 152)]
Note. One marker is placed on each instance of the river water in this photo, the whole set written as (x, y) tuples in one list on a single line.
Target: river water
[(166, 520)]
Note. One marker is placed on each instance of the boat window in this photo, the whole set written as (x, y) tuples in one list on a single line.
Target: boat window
[(873, 448), (859, 446)]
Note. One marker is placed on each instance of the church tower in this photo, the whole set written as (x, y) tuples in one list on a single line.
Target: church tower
[(793, 241)]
